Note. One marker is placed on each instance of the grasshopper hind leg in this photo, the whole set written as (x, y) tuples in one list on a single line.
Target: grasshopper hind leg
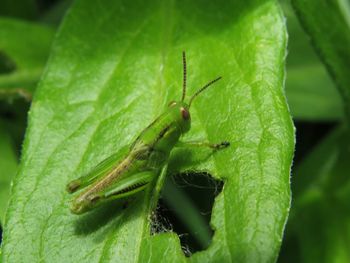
[(129, 186), (133, 184), (121, 189)]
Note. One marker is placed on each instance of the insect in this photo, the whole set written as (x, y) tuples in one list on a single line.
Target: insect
[(133, 168)]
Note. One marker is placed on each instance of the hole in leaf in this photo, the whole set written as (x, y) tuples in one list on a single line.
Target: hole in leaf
[(7, 65), (185, 208), (14, 115)]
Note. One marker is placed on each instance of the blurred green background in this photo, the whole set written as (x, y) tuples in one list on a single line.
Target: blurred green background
[(318, 228)]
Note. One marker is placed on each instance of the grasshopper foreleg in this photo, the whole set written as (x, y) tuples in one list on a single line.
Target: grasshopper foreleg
[(215, 146)]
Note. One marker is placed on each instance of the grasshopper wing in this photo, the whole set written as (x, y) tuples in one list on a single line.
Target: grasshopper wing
[(97, 172)]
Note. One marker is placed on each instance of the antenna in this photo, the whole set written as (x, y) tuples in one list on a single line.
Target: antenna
[(202, 89), (184, 76)]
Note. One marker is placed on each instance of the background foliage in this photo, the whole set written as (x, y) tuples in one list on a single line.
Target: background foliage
[(113, 66)]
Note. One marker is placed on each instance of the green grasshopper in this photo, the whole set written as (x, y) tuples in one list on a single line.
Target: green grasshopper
[(132, 170)]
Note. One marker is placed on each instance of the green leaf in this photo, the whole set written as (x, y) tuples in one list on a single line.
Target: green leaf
[(113, 68), (310, 90), (328, 24), (8, 167), (320, 217), (25, 46)]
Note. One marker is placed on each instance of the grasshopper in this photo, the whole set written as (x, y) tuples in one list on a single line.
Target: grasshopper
[(132, 169)]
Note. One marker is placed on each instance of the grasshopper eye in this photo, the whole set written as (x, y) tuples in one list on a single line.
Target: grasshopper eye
[(185, 114), (172, 103)]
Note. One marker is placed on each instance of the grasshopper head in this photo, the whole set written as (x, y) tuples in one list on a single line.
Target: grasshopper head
[(181, 113), (182, 109)]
